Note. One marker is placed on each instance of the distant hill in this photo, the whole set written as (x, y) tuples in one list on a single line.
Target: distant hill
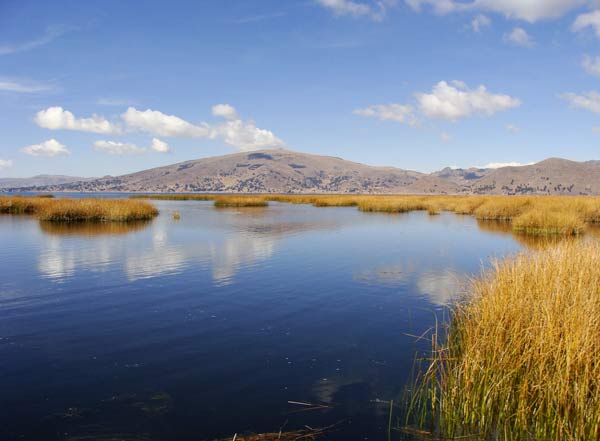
[(283, 171), (40, 180), (269, 171), (551, 176)]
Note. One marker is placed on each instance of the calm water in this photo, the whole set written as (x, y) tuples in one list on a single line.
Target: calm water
[(200, 328)]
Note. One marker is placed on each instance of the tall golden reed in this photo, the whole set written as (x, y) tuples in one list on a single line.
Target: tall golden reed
[(521, 359), (74, 210)]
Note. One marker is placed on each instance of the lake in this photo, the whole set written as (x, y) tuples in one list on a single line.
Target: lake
[(207, 326)]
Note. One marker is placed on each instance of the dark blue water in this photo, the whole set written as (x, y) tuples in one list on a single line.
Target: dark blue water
[(205, 327)]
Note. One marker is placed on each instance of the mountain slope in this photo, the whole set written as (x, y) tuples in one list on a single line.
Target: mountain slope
[(283, 171), (270, 171), (551, 176)]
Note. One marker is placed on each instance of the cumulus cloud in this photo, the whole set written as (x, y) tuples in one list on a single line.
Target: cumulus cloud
[(588, 20), (450, 101), (47, 149), (456, 100), (243, 135), (591, 65), (160, 146), (588, 101), (512, 128), (246, 136), (160, 124), (376, 10), (519, 37), (118, 148), (225, 110), (390, 112), (57, 118), (5, 163), (528, 10), (479, 22), (20, 86)]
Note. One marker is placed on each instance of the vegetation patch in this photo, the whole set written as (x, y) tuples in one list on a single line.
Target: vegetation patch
[(240, 201), (79, 210), (531, 215), (520, 358)]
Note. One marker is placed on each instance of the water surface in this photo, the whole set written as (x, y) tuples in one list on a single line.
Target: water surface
[(207, 326)]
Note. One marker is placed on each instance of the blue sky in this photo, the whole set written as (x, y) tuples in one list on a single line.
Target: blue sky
[(97, 88)]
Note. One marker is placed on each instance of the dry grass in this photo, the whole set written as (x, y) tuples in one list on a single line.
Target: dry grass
[(77, 210), (521, 360), (548, 221), (175, 197), (531, 215), (240, 201)]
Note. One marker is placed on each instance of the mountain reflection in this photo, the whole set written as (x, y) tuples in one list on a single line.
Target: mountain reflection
[(220, 241)]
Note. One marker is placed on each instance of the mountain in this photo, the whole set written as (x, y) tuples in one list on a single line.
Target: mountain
[(551, 176), (40, 180), (269, 171), (283, 171)]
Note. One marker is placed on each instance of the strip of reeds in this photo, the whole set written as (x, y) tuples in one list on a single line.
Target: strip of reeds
[(240, 201), (77, 210), (521, 357), (531, 215)]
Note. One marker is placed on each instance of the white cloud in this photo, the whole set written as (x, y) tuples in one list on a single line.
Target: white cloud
[(528, 10), (588, 101), (512, 128), (246, 136), (225, 110), (118, 148), (445, 137), (376, 10), (160, 124), (243, 135), (51, 34), (160, 146), (5, 163), (56, 118), (519, 37), (390, 112), (502, 164), (596, 129), (588, 20), (591, 65), (479, 22), (454, 101), (19, 86), (48, 148)]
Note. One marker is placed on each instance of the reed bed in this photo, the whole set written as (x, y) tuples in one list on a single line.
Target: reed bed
[(521, 357), (175, 197), (240, 201), (530, 215), (78, 210)]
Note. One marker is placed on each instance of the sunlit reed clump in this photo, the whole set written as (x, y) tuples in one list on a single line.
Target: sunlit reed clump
[(240, 201), (75, 210), (521, 358)]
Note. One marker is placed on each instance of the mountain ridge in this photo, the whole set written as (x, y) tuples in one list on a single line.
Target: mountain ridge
[(285, 171)]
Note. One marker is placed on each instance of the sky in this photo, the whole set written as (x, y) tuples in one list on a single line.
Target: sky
[(112, 87)]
